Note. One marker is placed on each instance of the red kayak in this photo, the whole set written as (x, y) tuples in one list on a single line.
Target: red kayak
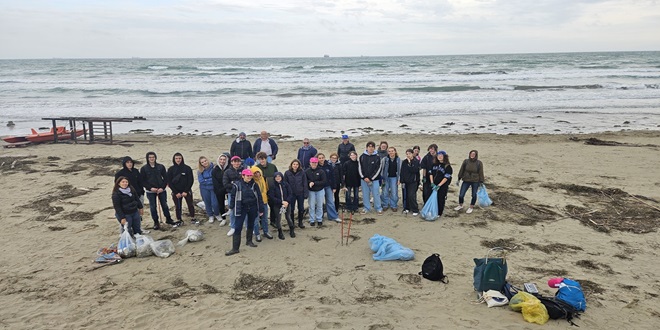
[(15, 139), (62, 134)]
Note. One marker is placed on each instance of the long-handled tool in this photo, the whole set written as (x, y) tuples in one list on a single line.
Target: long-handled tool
[(160, 209), (342, 226), (350, 221)]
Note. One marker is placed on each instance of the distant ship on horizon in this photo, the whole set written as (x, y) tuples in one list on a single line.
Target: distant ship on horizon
[(326, 55)]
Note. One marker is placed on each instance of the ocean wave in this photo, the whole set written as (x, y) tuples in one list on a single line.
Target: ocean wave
[(591, 67), (434, 89), (559, 87), (472, 73)]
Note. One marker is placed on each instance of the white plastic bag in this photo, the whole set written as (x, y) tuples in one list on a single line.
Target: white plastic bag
[(192, 235), (162, 248), (126, 247), (143, 243)]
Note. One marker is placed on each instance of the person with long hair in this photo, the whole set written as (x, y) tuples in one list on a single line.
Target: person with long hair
[(218, 187), (297, 180), (351, 181), (205, 179), (331, 185), (231, 175), (391, 177), (426, 164), (127, 205), (441, 175), (472, 174), (316, 180), (246, 204), (410, 182)]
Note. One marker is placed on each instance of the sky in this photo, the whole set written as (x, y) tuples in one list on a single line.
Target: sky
[(311, 28)]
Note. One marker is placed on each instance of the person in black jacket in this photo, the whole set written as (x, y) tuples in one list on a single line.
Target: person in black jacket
[(410, 182), (154, 181), (427, 165), (127, 205), (441, 176), (133, 175), (180, 179), (297, 180), (370, 170), (241, 147), (279, 195), (218, 187), (351, 181), (316, 180), (231, 175), (336, 171), (344, 148), (331, 185), (247, 205)]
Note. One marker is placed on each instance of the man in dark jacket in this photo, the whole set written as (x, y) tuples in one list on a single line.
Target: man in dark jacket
[(241, 147), (305, 153), (265, 144), (180, 178), (133, 175), (370, 169), (427, 165), (344, 148), (231, 175), (218, 186), (316, 181), (154, 181)]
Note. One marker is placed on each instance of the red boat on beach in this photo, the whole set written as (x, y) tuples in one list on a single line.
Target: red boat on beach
[(14, 139), (62, 134)]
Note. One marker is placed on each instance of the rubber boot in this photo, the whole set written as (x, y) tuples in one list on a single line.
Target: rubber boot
[(248, 237), (292, 233), (235, 245), (300, 220), (280, 235)]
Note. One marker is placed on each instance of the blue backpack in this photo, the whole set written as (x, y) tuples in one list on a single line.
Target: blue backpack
[(571, 292)]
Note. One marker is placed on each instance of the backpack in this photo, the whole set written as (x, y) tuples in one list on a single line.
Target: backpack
[(571, 292), (432, 269), (558, 309)]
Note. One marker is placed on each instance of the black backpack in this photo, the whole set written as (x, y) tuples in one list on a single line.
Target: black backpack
[(558, 309), (432, 269)]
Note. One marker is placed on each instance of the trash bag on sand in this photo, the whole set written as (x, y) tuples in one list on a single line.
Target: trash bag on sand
[(482, 197), (532, 309), (126, 247), (143, 243), (192, 235), (163, 248), (386, 248), (430, 210)]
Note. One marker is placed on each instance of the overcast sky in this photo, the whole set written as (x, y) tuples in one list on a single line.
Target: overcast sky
[(302, 28)]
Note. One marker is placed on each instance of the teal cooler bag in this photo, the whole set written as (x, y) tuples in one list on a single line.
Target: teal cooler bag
[(490, 273)]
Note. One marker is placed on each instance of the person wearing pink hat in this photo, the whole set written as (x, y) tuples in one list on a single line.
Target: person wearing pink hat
[(231, 175), (316, 180), (246, 205)]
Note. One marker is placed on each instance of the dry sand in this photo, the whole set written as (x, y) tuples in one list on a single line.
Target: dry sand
[(56, 213)]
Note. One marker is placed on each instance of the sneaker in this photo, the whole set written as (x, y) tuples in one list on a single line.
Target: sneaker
[(458, 208), (363, 212), (194, 221), (312, 224), (177, 224), (258, 238), (385, 209), (405, 212), (223, 223), (469, 210), (415, 214), (211, 219), (320, 224), (156, 227), (336, 220), (145, 232), (395, 210), (231, 232), (267, 235), (380, 212), (170, 222)]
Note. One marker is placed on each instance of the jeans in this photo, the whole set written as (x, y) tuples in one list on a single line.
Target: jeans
[(410, 197), (383, 192), (330, 204), (371, 189), (352, 201), (178, 205), (153, 207), (391, 193), (316, 205), (210, 202), (249, 216), (261, 221), (301, 205), (133, 222), (464, 188), (232, 214)]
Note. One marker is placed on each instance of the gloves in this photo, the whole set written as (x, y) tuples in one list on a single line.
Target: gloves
[(435, 187), (423, 180)]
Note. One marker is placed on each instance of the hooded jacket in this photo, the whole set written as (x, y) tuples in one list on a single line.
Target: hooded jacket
[(472, 170), (331, 175), (427, 164), (153, 177), (297, 182), (217, 174), (317, 176), (230, 176), (279, 192), (124, 204), (241, 148), (268, 172), (133, 175), (370, 166), (180, 177), (410, 171), (205, 178), (261, 182), (305, 154), (243, 194), (273, 147), (351, 174), (343, 151)]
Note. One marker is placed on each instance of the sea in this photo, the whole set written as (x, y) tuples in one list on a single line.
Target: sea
[(327, 96)]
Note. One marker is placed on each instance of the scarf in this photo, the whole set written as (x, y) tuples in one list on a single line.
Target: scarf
[(126, 191)]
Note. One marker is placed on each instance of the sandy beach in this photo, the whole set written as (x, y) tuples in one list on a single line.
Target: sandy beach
[(581, 206)]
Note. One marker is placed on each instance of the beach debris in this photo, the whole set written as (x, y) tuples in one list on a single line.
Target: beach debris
[(523, 212), (506, 243), (256, 287), (143, 243), (598, 142), (10, 124), (554, 247), (192, 235), (162, 248), (126, 247)]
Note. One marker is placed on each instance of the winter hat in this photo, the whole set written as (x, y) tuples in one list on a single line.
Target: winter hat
[(313, 160), (442, 152), (249, 161), (241, 134), (246, 172), (344, 136), (278, 173), (555, 281), (235, 158)]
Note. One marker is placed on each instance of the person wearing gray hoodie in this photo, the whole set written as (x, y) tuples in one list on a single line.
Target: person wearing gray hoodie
[(472, 174)]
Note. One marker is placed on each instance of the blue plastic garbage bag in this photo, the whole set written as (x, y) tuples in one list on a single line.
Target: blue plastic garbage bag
[(482, 197), (430, 209), (386, 248)]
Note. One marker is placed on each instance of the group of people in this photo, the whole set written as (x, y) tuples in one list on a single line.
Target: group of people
[(257, 194)]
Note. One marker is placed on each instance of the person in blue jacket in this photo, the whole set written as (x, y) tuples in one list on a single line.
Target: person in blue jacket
[(305, 153), (246, 203), (205, 179), (266, 144)]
